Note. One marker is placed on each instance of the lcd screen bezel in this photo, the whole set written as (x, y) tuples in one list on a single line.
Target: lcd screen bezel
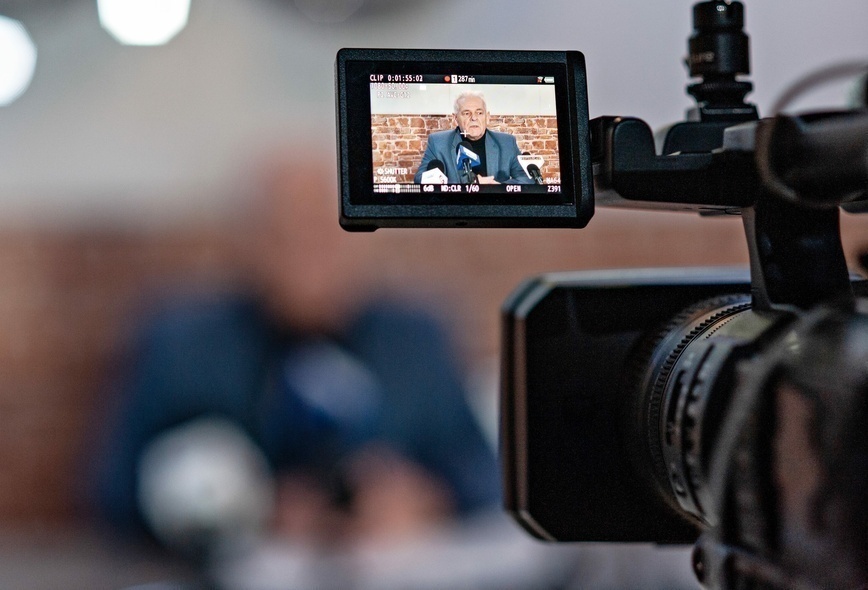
[(361, 209)]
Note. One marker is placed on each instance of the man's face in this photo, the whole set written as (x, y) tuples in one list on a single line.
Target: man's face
[(309, 273), (472, 117)]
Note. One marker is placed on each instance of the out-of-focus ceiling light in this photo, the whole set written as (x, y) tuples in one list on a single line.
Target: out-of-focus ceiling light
[(17, 60), (143, 22)]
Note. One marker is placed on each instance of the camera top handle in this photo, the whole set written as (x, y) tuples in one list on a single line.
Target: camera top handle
[(786, 176)]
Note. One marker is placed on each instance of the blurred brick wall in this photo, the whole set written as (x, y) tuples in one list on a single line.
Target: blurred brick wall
[(399, 141), (67, 298)]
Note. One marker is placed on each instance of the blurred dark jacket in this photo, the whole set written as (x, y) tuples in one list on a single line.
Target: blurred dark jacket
[(390, 378)]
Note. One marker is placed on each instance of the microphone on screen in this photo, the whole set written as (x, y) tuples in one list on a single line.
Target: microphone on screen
[(435, 173), (466, 159), (532, 166)]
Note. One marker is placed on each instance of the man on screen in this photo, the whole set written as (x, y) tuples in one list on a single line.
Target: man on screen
[(471, 152)]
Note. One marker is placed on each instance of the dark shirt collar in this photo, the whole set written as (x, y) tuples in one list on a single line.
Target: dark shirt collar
[(479, 141)]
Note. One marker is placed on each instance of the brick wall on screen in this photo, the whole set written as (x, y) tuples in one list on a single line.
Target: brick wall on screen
[(399, 140)]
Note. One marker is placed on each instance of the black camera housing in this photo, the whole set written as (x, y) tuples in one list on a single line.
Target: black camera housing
[(574, 351), (568, 340)]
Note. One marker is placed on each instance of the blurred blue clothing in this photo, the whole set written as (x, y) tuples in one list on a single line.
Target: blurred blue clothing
[(307, 401)]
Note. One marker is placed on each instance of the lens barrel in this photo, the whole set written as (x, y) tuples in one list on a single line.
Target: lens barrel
[(681, 387)]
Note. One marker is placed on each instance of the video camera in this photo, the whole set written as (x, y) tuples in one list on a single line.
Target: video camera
[(717, 407)]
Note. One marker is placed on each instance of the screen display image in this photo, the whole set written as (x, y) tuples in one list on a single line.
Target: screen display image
[(464, 133), (453, 138)]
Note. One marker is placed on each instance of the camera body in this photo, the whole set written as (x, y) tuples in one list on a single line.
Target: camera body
[(666, 406), (580, 382), (569, 340)]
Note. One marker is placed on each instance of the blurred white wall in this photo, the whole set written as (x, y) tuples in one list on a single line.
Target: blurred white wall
[(439, 99), (134, 135)]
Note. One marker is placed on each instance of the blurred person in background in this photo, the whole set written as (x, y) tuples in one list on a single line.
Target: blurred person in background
[(307, 431), (307, 405)]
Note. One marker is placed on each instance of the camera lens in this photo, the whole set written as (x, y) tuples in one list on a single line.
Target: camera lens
[(678, 391)]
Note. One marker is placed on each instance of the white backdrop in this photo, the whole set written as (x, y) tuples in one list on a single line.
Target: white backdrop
[(131, 135), (438, 99)]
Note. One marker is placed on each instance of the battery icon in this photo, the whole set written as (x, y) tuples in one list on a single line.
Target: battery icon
[(454, 79), (549, 79)]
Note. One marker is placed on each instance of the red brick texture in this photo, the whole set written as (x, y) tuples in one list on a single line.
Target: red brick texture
[(399, 141), (65, 301)]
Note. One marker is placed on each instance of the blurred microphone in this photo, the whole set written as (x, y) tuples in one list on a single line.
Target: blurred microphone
[(532, 166), (466, 160), (435, 173)]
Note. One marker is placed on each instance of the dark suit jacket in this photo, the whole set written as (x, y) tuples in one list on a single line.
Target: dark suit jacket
[(219, 357), (501, 156)]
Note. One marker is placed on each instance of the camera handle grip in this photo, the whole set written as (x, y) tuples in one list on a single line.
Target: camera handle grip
[(818, 160), (796, 257)]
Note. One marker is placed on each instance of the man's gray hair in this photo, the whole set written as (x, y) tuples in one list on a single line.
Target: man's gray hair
[(469, 94)]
